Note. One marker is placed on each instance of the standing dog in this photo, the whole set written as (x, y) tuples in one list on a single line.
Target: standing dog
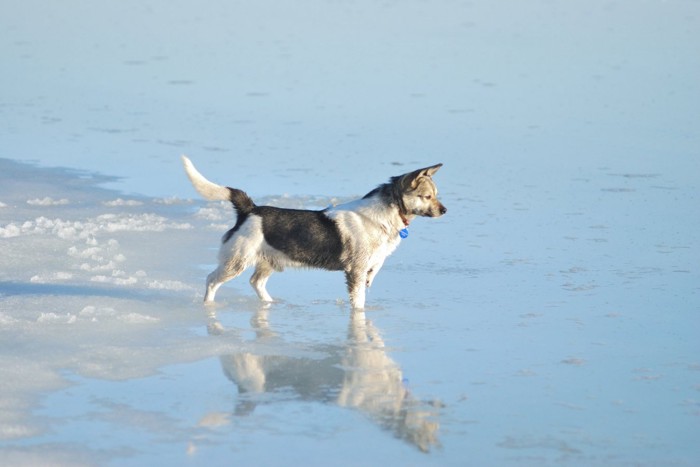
[(354, 237)]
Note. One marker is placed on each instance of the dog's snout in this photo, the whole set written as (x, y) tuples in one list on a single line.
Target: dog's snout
[(443, 209)]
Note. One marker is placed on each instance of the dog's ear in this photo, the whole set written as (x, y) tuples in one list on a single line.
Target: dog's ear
[(430, 171), (411, 179)]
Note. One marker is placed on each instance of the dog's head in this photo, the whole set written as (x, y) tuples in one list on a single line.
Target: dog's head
[(418, 192)]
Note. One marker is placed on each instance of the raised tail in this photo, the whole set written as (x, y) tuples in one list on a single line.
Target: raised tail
[(211, 191)]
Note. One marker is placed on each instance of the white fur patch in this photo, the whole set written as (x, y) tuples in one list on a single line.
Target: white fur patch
[(245, 244), (370, 227)]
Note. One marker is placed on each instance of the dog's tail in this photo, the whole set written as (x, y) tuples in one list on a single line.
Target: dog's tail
[(211, 191)]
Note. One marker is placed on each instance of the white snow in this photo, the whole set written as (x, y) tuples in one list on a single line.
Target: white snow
[(53, 277), (48, 202), (123, 202)]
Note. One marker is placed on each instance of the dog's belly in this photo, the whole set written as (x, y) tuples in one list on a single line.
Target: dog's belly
[(280, 260)]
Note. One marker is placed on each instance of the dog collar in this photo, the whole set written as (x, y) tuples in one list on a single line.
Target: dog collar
[(403, 233)]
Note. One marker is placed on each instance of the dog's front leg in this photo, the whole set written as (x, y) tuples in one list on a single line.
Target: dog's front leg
[(356, 281), (371, 274)]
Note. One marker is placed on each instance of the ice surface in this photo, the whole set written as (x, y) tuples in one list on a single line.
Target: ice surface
[(550, 318)]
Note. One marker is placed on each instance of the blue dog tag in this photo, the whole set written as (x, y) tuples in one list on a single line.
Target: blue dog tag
[(403, 233)]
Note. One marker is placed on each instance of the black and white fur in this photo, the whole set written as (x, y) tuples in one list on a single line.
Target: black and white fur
[(354, 237)]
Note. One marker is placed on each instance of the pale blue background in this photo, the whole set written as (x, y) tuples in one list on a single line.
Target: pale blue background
[(553, 310)]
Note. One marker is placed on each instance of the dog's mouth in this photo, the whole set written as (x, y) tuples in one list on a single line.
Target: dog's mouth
[(433, 212), (439, 212)]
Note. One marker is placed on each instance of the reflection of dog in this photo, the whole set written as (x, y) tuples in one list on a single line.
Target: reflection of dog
[(358, 375), (355, 237), (374, 384)]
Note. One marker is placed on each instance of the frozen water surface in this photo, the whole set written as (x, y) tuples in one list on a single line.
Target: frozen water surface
[(550, 318)]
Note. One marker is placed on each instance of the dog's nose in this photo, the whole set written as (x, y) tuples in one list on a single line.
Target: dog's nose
[(443, 210)]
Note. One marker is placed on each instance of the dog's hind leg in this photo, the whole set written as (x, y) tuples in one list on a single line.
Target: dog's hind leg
[(224, 273), (213, 284), (258, 280)]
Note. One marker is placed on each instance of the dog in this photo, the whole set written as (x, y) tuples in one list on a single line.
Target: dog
[(355, 237)]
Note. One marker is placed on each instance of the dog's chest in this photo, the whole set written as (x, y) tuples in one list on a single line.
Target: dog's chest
[(365, 236)]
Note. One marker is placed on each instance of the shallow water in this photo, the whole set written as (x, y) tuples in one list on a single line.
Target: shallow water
[(550, 318)]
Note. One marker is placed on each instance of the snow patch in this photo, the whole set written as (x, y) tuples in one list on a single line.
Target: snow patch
[(10, 230), (172, 201), (123, 202), (6, 319), (210, 214), (138, 318), (48, 201), (168, 285), (49, 278), (51, 317), (86, 230), (94, 313), (115, 279), (137, 223)]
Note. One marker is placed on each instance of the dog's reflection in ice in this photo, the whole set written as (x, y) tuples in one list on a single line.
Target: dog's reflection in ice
[(358, 374)]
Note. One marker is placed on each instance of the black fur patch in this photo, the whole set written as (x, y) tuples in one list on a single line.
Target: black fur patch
[(243, 205), (241, 201), (309, 237), (240, 219)]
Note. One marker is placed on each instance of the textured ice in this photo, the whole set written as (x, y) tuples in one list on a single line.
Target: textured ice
[(103, 301)]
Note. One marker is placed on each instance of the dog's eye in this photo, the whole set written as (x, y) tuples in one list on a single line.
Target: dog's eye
[(428, 197)]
